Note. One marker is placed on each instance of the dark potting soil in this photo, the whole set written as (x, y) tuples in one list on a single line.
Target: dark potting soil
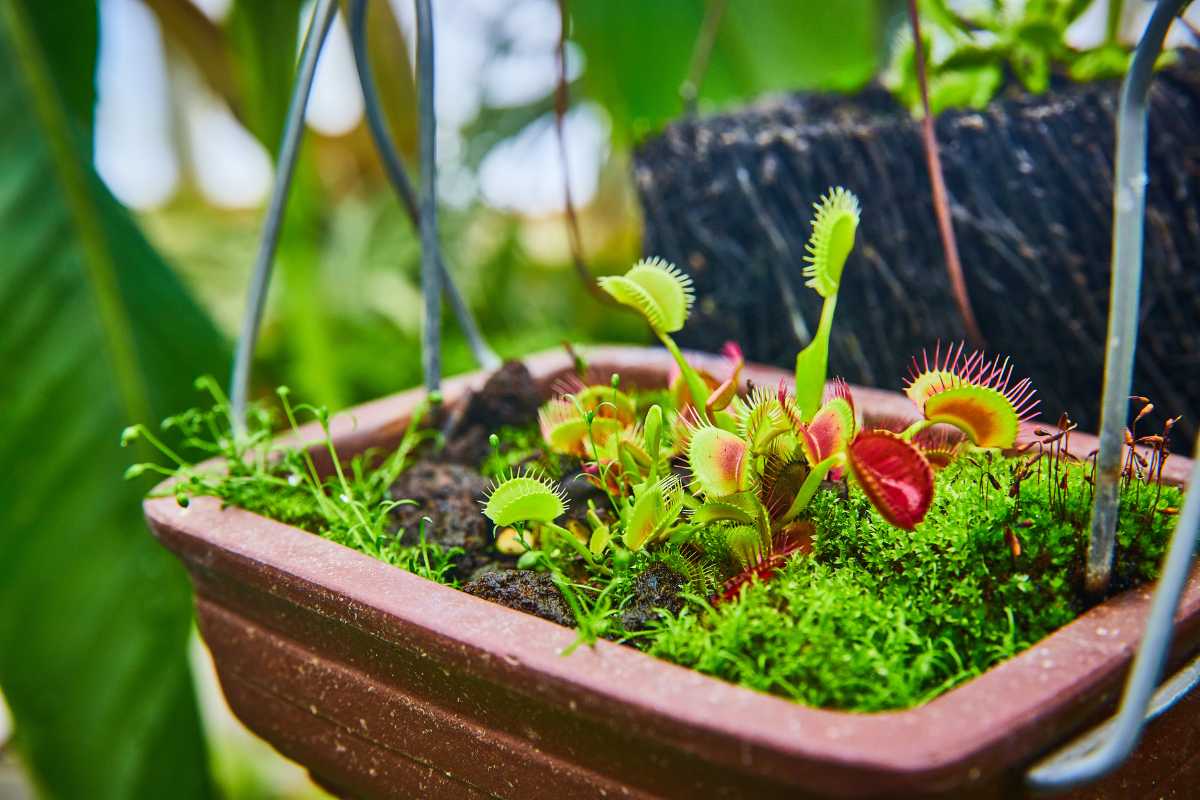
[(657, 587), (509, 397), (447, 487), (448, 494), (524, 590)]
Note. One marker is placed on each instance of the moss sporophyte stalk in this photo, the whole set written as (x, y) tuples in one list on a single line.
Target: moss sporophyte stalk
[(786, 541)]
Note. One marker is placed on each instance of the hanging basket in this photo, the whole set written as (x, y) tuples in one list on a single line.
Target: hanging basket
[(385, 684)]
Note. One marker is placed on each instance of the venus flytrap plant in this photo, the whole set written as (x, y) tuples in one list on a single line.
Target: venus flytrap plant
[(522, 499), (973, 394), (833, 228), (722, 390)]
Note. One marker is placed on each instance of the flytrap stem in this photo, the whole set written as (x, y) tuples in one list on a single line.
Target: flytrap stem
[(398, 175), (318, 28), (1129, 206)]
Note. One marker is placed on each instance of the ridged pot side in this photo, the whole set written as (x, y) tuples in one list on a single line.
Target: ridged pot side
[(385, 684)]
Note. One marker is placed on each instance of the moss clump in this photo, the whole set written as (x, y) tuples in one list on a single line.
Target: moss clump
[(351, 507), (877, 618)]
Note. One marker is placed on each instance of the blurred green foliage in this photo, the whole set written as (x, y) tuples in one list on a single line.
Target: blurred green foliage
[(638, 52), (264, 36), (98, 333)]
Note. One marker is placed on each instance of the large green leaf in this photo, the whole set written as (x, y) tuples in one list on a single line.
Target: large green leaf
[(72, 26), (263, 34), (97, 333)]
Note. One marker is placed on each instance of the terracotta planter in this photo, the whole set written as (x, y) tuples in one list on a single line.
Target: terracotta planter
[(387, 685)]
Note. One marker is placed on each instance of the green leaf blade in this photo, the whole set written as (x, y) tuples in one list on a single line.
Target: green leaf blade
[(94, 616)]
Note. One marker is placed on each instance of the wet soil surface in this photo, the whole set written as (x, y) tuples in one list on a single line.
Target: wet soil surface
[(658, 587), (448, 494), (532, 592)]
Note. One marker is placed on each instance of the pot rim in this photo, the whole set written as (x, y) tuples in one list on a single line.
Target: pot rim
[(1003, 717)]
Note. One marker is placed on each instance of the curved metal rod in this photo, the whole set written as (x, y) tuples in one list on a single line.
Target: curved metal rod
[(293, 130), (1129, 211), (431, 277), (1067, 768), (1073, 765), (398, 175)]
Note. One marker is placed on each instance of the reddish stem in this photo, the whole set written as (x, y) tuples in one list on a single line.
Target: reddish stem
[(937, 180), (561, 104)]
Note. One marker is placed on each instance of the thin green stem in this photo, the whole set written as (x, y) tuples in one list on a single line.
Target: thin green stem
[(912, 430), (689, 90), (697, 388), (161, 446), (313, 477), (810, 486), (573, 542), (812, 363), (1112, 24)]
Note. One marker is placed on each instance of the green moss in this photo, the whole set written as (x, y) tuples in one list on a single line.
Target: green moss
[(351, 507), (878, 618)]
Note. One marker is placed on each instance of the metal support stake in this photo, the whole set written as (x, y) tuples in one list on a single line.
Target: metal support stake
[(1129, 211), (1096, 755), (398, 175), (293, 130), (431, 278), (1091, 757)]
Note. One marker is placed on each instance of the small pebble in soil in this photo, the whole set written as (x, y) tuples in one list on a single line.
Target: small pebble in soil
[(524, 590)]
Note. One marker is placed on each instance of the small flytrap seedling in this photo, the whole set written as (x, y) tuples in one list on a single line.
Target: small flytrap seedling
[(727, 478)]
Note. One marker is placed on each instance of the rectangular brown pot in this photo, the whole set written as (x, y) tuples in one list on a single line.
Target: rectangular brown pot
[(385, 684)]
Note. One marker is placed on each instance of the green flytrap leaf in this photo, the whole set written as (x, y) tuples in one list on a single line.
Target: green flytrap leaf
[(971, 392), (717, 460), (524, 498), (653, 512), (832, 239), (263, 37), (655, 289), (830, 430), (833, 229), (983, 414), (94, 615)]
